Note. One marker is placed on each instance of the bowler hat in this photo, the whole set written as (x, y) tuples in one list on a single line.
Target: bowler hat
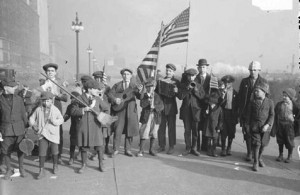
[(191, 71), (125, 69), (46, 66), (171, 66), (202, 62), (228, 79), (8, 82), (46, 95), (291, 93)]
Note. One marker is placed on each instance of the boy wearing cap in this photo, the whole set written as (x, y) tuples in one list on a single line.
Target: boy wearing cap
[(51, 71), (259, 122), (284, 124), (191, 94), (73, 127), (46, 120), (152, 105), (13, 121), (245, 96), (89, 132), (229, 104), (127, 122), (212, 124), (168, 115)]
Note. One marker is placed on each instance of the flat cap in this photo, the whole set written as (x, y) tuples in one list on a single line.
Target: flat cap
[(46, 95), (98, 74), (291, 93), (8, 82), (171, 66), (85, 78), (191, 71), (92, 84), (125, 69), (46, 66), (228, 79)]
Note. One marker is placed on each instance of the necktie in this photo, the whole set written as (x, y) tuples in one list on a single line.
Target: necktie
[(126, 85), (202, 80)]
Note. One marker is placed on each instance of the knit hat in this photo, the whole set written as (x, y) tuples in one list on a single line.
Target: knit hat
[(263, 85), (254, 65), (291, 93)]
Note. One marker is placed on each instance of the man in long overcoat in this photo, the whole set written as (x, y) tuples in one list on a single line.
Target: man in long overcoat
[(169, 113), (124, 106), (89, 132), (246, 94)]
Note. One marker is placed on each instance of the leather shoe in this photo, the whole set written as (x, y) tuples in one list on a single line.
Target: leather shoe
[(160, 149), (128, 153), (255, 167), (55, 169), (71, 161), (140, 154), (185, 153), (194, 152), (115, 153), (41, 174), (171, 150), (82, 168), (279, 158), (8, 174), (261, 163), (23, 173), (152, 153)]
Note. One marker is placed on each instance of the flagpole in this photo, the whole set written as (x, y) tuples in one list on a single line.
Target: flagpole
[(187, 44)]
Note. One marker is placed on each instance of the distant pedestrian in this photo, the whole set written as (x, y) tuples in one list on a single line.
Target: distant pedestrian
[(284, 124), (212, 124), (46, 120), (259, 121)]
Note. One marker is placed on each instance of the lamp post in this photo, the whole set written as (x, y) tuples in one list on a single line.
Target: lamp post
[(89, 50), (77, 27), (94, 62)]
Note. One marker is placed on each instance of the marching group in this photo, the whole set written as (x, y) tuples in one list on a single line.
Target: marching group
[(209, 114)]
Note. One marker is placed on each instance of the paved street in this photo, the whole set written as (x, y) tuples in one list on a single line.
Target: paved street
[(165, 174)]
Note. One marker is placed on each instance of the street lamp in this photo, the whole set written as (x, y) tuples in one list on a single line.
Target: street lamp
[(77, 27), (89, 50), (94, 62)]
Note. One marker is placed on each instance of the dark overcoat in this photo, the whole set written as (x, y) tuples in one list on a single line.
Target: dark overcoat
[(129, 115), (233, 116), (213, 121), (145, 103), (13, 119), (73, 126), (191, 100), (88, 128), (170, 104)]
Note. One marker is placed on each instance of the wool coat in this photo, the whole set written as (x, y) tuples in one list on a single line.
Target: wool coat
[(88, 128), (145, 103), (13, 119), (129, 114), (213, 121), (191, 100), (73, 126)]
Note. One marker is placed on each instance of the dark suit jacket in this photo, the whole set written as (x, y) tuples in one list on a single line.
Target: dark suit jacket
[(205, 84), (12, 117)]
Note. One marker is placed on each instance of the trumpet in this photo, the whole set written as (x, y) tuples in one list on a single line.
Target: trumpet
[(192, 85)]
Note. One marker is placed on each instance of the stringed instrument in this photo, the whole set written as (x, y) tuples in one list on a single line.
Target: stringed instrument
[(126, 96)]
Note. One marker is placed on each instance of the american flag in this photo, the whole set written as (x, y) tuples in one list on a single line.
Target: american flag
[(213, 83), (177, 31)]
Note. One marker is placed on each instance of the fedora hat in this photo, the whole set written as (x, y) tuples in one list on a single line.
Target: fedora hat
[(202, 62)]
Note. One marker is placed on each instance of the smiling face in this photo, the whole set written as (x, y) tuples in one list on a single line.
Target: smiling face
[(169, 73), (51, 72)]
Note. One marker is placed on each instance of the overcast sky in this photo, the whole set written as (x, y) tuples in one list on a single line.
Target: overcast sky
[(228, 33)]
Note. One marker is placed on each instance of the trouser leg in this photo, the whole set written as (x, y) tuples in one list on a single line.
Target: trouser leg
[(100, 151), (172, 130)]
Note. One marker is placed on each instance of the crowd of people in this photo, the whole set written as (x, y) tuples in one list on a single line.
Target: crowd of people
[(209, 113)]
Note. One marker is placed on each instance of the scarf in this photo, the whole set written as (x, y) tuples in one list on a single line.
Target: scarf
[(229, 97)]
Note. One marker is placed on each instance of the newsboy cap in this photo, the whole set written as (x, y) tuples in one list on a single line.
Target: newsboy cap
[(171, 66), (46, 66), (291, 93), (228, 79), (92, 84), (98, 74), (85, 78), (202, 62), (191, 71), (125, 69), (46, 95), (263, 85)]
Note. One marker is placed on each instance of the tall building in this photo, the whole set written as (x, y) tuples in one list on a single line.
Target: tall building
[(19, 36)]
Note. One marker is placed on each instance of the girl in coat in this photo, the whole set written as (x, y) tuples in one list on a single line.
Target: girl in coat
[(46, 120), (213, 120), (284, 123)]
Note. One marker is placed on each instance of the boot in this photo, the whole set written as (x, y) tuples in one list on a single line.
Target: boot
[(100, 158), (9, 171), (223, 142), (84, 159), (55, 165), (21, 168), (141, 151), (289, 158), (280, 157), (228, 151), (260, 161), (151, 150), (248, 144), (213, 150), (42, 172), (255, 153)]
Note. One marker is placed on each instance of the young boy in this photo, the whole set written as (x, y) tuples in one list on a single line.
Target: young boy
[(72, 132), (191, 94), (46, 121), (213, 121), (229, 104), (150, 117), (284, 123), (259, 120)]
